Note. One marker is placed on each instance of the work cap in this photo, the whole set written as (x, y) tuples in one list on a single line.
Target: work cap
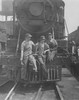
[(49, 33), (28, 35), (42, 37)]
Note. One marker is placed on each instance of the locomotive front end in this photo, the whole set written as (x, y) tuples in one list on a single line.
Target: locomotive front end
[(40, 16), (37, 17)]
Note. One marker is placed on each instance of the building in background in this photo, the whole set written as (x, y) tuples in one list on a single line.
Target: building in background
[(74, 36), (7, 7), (3, 39), (6, 21)]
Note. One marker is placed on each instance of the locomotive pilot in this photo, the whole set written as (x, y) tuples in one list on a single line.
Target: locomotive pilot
[(53, 47), (26, 51), (41, 49)]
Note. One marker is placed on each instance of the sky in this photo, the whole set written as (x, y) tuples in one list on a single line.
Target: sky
[(71, 14)]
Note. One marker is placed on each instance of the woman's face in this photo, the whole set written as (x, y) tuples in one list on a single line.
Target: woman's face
[(42, 41), (27, 38), (50, 36)]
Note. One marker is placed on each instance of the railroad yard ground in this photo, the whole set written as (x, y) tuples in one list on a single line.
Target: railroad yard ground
[(69, 87)]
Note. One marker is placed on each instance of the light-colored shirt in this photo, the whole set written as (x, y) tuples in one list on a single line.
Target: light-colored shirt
[(26, 47), (41, 47), (73, 49)]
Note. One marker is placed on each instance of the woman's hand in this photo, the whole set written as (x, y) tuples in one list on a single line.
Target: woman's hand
[(46, 51)]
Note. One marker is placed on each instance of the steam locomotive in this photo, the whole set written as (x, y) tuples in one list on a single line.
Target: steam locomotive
[(37, 17)]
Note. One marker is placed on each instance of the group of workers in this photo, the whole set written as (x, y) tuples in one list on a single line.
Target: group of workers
[(42, 47)]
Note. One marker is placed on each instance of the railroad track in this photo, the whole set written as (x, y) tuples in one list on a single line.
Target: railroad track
[(40, 94), (11, 93)]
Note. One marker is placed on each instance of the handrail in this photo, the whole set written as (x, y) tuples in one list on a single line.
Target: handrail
[(18, 41)]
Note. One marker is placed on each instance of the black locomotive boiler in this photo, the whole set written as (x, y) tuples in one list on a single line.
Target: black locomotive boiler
[(37, 17)]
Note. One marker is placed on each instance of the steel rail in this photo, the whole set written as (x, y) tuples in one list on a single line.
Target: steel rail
[(38, 94), (4, 83), (11, 92), (58, 93)]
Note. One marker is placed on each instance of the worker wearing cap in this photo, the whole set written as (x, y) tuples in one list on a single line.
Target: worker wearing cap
[(26, 51), (41, 49), (73, 47), (52, 45)]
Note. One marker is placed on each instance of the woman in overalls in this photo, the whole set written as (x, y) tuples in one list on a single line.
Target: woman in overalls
[(26, 52)]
